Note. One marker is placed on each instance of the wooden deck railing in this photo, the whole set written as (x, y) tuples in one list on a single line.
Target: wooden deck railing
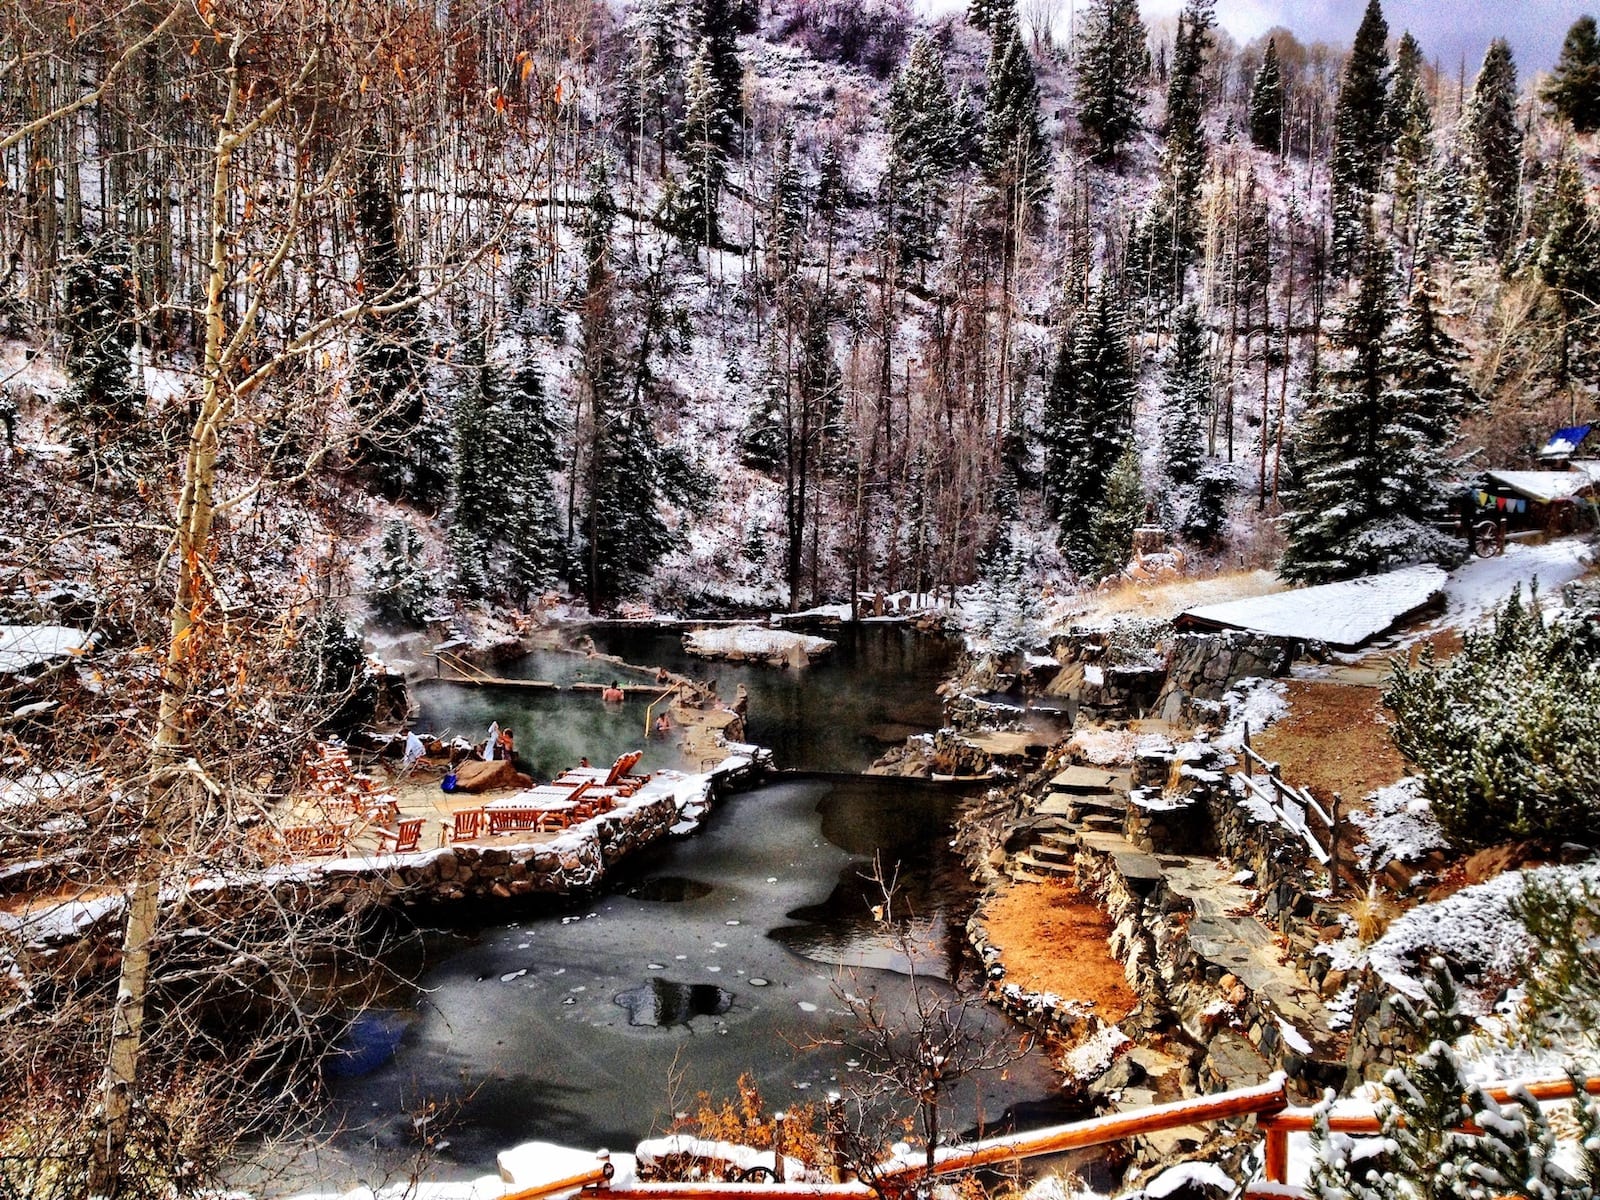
[(1267, 1102), (1294, 807)]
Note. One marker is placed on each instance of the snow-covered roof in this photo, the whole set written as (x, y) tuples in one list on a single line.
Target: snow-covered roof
[(1543, 486), (26, 646), (1344, 615)]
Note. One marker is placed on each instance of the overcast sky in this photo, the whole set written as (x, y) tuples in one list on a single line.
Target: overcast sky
[(1448, 29)]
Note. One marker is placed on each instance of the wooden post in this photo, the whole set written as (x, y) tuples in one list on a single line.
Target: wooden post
[(1244, 759), (1277, 1155), (778, 1148), (837, 1170), (1333, 846)]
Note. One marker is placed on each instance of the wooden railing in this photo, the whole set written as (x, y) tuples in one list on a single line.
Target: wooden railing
[(1267, 1102), (1294, 807)]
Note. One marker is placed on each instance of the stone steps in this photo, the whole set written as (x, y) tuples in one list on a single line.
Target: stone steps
[(1041, 867)]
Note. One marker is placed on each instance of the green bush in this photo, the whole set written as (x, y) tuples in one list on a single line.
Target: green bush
[(1506, 734)]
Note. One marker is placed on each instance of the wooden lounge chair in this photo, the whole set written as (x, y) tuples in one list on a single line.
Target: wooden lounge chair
[(405, 836), (324, 839), (463, 825)]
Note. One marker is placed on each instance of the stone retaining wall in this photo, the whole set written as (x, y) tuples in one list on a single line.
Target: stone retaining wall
[(86, 936)]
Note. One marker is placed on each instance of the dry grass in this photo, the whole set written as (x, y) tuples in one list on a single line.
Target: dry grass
[(1371, 914), (1334, 739), (1165, 600), (1056, 941)]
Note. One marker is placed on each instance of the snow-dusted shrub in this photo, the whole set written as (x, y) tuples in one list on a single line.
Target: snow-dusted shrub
[(1506, 734), (1424, 1152), (861, 33)]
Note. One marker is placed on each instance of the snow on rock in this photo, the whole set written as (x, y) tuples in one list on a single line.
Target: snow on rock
[(23, 647), (1254, 703), (1187, 1176), (755, 643), (1398, 825), (1091, 1057), (1103, 747), (1474, 927), (1345, 615)]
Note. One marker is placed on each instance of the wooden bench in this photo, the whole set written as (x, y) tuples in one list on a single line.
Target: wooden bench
[(528, 818)]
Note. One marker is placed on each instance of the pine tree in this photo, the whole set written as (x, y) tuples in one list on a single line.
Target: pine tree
[(992, 15), (921, 127), (1360, 121), (1369, 492), (1186, 397), (657, 26), (101, 400), (716, 33), (1088, 419), (1110, 535), (1426, 1154), (1266, 102), (1016, 156), (923, 151), (1412, 122), (1493, 141), (400, 437), (1450, 230), (1574, 88), (705, 135), (402, 585), (1568, 245), (1183, 165), (786, 233), (1113, 60)]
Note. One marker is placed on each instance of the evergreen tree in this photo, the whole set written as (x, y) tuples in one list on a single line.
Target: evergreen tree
[(1574, 88), (1568, 246), (1369, 492), (1360, 121), (400, 437), (1183, 165), (1016, 157), (786, 234), (921, 115), (705, 135), (1449, 228), (1412, 122), (402, 586), (657, 26), (1110, 536), (1186, 397), (1088, 420), (923, 151), (1493, 139), (1113, 60), (991, 16), (1266, 102), (716, 35), (101, 400)]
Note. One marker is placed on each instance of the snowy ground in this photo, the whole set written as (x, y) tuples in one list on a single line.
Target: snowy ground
[(1479, 585)]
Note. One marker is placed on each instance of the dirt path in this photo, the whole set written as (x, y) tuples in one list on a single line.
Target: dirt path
[(1335, 739)]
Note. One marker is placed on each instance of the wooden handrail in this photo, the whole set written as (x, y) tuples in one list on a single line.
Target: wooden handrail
[(584, 1179), (1268, 1097), (1279, 1125), (1268, 1102)]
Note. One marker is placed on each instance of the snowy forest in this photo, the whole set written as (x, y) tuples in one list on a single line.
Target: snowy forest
[(320, 317), (702, 307)]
